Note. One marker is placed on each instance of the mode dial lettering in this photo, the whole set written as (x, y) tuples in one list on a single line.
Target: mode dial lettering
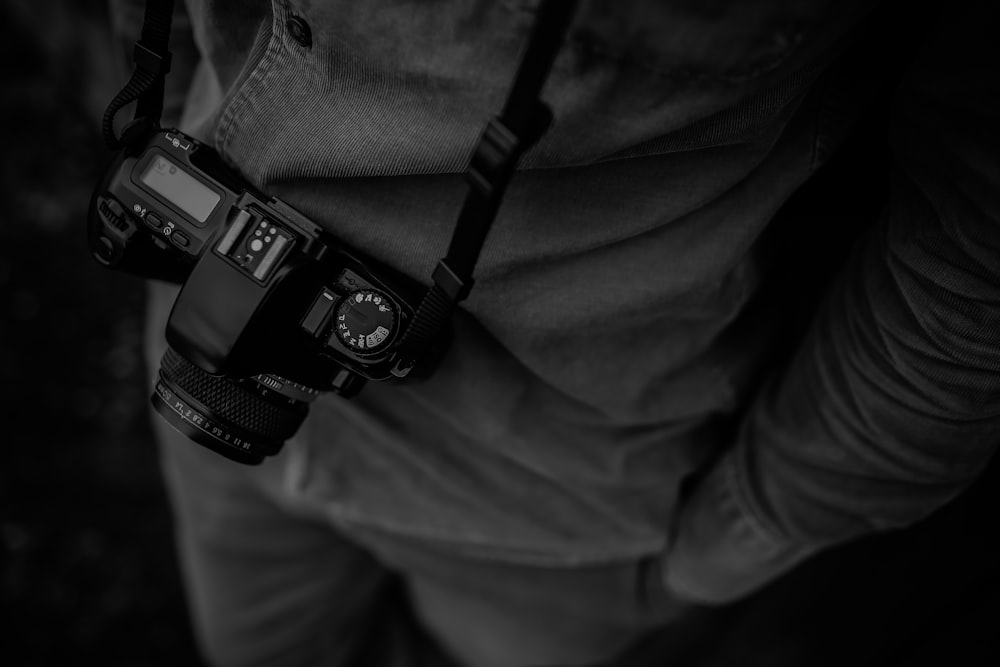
[(366, 321)]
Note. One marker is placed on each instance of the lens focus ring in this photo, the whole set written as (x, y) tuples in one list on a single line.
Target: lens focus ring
[(233, 406)]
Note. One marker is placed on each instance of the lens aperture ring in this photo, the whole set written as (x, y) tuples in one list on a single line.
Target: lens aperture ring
[(192, 420), (230, 406)]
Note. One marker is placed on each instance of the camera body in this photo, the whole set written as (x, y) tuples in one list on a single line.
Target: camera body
[(271, 303)]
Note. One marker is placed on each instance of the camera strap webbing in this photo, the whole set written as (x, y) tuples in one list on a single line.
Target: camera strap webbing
[(145, 87), (521, 123)]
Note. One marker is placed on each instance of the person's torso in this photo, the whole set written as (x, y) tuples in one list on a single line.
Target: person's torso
[(612, 332)]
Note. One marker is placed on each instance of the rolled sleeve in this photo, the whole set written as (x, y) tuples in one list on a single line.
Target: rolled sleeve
[(724, 551)]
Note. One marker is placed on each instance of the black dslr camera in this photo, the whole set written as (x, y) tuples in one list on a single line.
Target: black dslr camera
[(273, 310)]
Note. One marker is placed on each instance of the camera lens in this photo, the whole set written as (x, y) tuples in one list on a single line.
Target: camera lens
[(244, 420)]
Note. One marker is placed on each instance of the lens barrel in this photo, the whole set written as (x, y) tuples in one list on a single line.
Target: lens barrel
[(240, 419)]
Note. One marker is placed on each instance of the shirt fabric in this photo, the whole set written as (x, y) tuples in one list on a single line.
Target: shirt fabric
[(619, 337)]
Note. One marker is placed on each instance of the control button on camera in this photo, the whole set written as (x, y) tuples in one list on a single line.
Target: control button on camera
[(180, 239), (316, 319), (177, 142), (112, 209), (153, 220)]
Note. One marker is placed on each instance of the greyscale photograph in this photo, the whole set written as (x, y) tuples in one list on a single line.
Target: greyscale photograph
[(500, 333)]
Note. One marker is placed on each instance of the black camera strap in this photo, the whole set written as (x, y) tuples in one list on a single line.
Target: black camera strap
[(521, 123), (145, 86)]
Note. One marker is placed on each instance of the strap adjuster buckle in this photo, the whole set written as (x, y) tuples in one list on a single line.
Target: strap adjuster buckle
[(450, 283), (494, 159)]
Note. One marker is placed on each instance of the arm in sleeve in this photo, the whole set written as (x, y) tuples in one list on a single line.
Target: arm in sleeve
[(891, 405)]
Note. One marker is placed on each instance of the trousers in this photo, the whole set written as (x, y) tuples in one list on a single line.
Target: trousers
[(271, 582)]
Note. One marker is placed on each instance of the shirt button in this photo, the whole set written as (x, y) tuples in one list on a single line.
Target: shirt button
[(299, 30)]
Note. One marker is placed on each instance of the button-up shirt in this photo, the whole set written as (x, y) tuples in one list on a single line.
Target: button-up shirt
[(622, 335)]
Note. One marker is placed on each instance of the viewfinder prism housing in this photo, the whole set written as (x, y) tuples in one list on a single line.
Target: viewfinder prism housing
[(273, 310)]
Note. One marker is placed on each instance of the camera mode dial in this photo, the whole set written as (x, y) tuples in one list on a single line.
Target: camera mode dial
[(365, 321)]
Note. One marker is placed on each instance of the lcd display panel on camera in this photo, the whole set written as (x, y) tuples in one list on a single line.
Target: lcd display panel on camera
[(180, 188)]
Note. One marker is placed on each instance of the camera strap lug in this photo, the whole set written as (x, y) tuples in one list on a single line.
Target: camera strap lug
[(135, 130)]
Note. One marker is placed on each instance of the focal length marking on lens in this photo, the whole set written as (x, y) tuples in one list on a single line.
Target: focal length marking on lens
[(197, 419)]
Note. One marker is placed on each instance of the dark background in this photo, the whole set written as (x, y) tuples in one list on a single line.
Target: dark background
[(87, 574)]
